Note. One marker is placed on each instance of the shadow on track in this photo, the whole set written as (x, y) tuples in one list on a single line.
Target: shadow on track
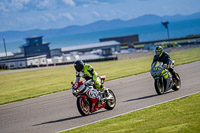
[(67, 119), (145, 97), (60, 120)]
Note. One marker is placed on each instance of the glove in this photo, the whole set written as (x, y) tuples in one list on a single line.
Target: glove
[(165, 66), (90, 83), (154, 68)]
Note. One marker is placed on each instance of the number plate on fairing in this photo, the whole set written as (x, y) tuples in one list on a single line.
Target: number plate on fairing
[(93, 93)]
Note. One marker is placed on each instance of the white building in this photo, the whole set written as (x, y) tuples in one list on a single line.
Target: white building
[(66, 55), (106, 48), (22, 62)]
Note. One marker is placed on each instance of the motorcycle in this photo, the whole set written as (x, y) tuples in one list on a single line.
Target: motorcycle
[(89, 99), (163, 80)]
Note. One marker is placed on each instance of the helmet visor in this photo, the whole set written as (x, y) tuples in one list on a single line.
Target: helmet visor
[(78, 68), (158, 53)]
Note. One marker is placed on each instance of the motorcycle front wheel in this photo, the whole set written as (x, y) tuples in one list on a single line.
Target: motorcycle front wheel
[(83, 107), (110, 103), (159, 86)]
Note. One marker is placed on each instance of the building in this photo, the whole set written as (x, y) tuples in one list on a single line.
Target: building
[(35, 47), (6, 55), (122, 39), (56, 52), (89, 52), (23, 62), (104, 48), (187, 40), (35, 53)]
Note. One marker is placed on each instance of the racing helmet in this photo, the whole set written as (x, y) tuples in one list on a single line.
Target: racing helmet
[(79, 65), (159, 51)]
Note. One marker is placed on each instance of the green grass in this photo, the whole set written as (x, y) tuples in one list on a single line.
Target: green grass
[(178, 116), (24, 85), (19, 86), (1, 70)]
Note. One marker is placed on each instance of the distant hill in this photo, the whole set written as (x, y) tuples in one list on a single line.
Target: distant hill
[(96, 26)]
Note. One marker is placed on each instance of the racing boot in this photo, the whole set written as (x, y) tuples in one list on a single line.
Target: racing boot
[(175, 77), (101, 99), (103, 91), (103, 94), (173, 74), (106, 93)]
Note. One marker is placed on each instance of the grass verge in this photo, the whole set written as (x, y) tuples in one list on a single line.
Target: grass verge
[(24, 85), (178, 116)]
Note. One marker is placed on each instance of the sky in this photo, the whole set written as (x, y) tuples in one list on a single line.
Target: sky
[(23, 15)]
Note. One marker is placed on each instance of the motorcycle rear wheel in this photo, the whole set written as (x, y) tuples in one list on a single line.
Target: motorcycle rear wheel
[(110, 103), (83, 108), (177, 83), (159, 87)]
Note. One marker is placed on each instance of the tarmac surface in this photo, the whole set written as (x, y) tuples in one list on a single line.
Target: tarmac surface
[(57, 112)]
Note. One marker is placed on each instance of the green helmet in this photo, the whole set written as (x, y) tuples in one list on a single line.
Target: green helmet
[(159, 51)]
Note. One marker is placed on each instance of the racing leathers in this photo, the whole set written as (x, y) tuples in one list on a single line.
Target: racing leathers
[(165, 58), (89, 74)]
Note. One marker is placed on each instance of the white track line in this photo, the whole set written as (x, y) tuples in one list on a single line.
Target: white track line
[(129, 112)]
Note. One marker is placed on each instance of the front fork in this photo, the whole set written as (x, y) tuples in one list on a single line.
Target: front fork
[(84, 98), (92, 101), (161, 80)]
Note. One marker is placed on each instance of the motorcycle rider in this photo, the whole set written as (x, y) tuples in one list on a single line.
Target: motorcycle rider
[(164, 57), (86, 71)]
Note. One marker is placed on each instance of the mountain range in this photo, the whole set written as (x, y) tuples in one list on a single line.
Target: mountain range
[(96, 26)]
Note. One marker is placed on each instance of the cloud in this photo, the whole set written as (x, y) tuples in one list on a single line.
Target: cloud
[(69, 16), (50, 16), (23, 1), (99, 1), (85, 5), (43, 14), (2, 7), (69, 2), (13, 5), (96, 14), (47, 4)]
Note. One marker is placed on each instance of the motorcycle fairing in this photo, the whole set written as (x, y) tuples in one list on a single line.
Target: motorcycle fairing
[(168, 79)]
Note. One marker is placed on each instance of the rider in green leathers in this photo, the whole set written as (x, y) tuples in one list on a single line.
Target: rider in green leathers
[(86, 71)]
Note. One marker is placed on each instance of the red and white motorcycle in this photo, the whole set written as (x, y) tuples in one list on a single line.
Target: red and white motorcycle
[(89, 99)]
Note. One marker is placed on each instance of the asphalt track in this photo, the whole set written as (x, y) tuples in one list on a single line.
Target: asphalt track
[(58, 111)]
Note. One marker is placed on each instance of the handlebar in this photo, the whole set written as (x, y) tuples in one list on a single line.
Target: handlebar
[(89, 82)]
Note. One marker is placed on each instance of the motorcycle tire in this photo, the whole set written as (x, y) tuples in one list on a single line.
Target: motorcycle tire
[(110, 104), (83, 108), (159, 86), (177, 85)]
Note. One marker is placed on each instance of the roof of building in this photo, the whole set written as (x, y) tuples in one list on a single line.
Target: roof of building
[(116, 37), (33, 37), (171, 39), (90, 46), (8, 54), (122, 39), (12, 59), (46, 43)]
